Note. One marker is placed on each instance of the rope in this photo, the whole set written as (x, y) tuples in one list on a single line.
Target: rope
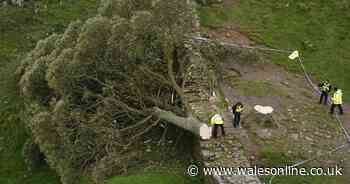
[(314, 158), (202, 39), (309, 81), (315, 88), (343, 128), (306, 75)]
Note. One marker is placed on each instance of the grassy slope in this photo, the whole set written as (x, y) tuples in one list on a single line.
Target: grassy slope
[(318, 28), (153, 178), (147, 179), (166, 168)]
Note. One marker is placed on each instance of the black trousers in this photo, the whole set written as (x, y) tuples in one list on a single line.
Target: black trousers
[(324, 97), (237, 119), (215, 131), (339, 107)]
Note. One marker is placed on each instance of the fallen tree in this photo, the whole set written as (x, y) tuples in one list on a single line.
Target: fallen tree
[(94, 91), (189, 123)]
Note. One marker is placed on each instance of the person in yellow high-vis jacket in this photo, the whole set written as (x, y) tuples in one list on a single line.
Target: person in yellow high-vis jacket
[(337, 100), (325, 88), (237, 110), (217, 121)]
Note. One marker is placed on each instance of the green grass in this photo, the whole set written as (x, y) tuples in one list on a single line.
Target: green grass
[(272, 157), (305, 180), (153, 178), (215, 16), (319, 29), (21, 28)]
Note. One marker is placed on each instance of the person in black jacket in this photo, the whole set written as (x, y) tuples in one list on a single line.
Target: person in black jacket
[(325, 88), (236, 110)]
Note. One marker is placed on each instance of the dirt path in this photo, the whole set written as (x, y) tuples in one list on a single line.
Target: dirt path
[(301, 128)]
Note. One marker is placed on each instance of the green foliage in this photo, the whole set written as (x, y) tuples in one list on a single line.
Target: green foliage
[(32, 155), (97, 72), (69, 37), (42, 49), (57, 71), (13, 135), (34, 84), (20, 29), (123, 8), (92, 42)]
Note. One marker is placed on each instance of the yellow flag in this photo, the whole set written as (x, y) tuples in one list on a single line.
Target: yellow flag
[(294, 55)]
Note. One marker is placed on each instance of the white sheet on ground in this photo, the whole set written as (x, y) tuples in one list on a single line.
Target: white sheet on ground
[(263, 109)]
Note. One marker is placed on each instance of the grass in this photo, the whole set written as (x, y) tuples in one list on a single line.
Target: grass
[(304, 180), (21, 28), (147, 179), (273, 157), (257, 88), (167, 166), (319, 29), (153, 178)]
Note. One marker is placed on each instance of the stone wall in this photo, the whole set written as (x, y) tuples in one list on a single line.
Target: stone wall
[(222, 152)]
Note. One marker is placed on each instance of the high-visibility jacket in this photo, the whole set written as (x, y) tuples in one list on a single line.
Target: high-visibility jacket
[(337, 97), (216, 120), (325, 87), (239, 108)]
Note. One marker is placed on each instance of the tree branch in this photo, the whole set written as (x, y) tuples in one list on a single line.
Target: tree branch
[(168, 57), (189, 123)]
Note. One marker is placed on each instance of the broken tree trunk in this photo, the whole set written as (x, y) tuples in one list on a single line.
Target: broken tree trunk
[(189, 123)]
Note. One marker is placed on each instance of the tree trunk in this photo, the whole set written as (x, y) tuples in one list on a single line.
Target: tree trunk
[(168, 55), (189, 123)]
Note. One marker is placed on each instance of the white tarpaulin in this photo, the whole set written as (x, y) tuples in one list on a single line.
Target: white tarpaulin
[(263, 109), (294, 55)]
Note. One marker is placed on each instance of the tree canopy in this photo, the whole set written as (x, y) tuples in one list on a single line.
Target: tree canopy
[(91, 91)]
